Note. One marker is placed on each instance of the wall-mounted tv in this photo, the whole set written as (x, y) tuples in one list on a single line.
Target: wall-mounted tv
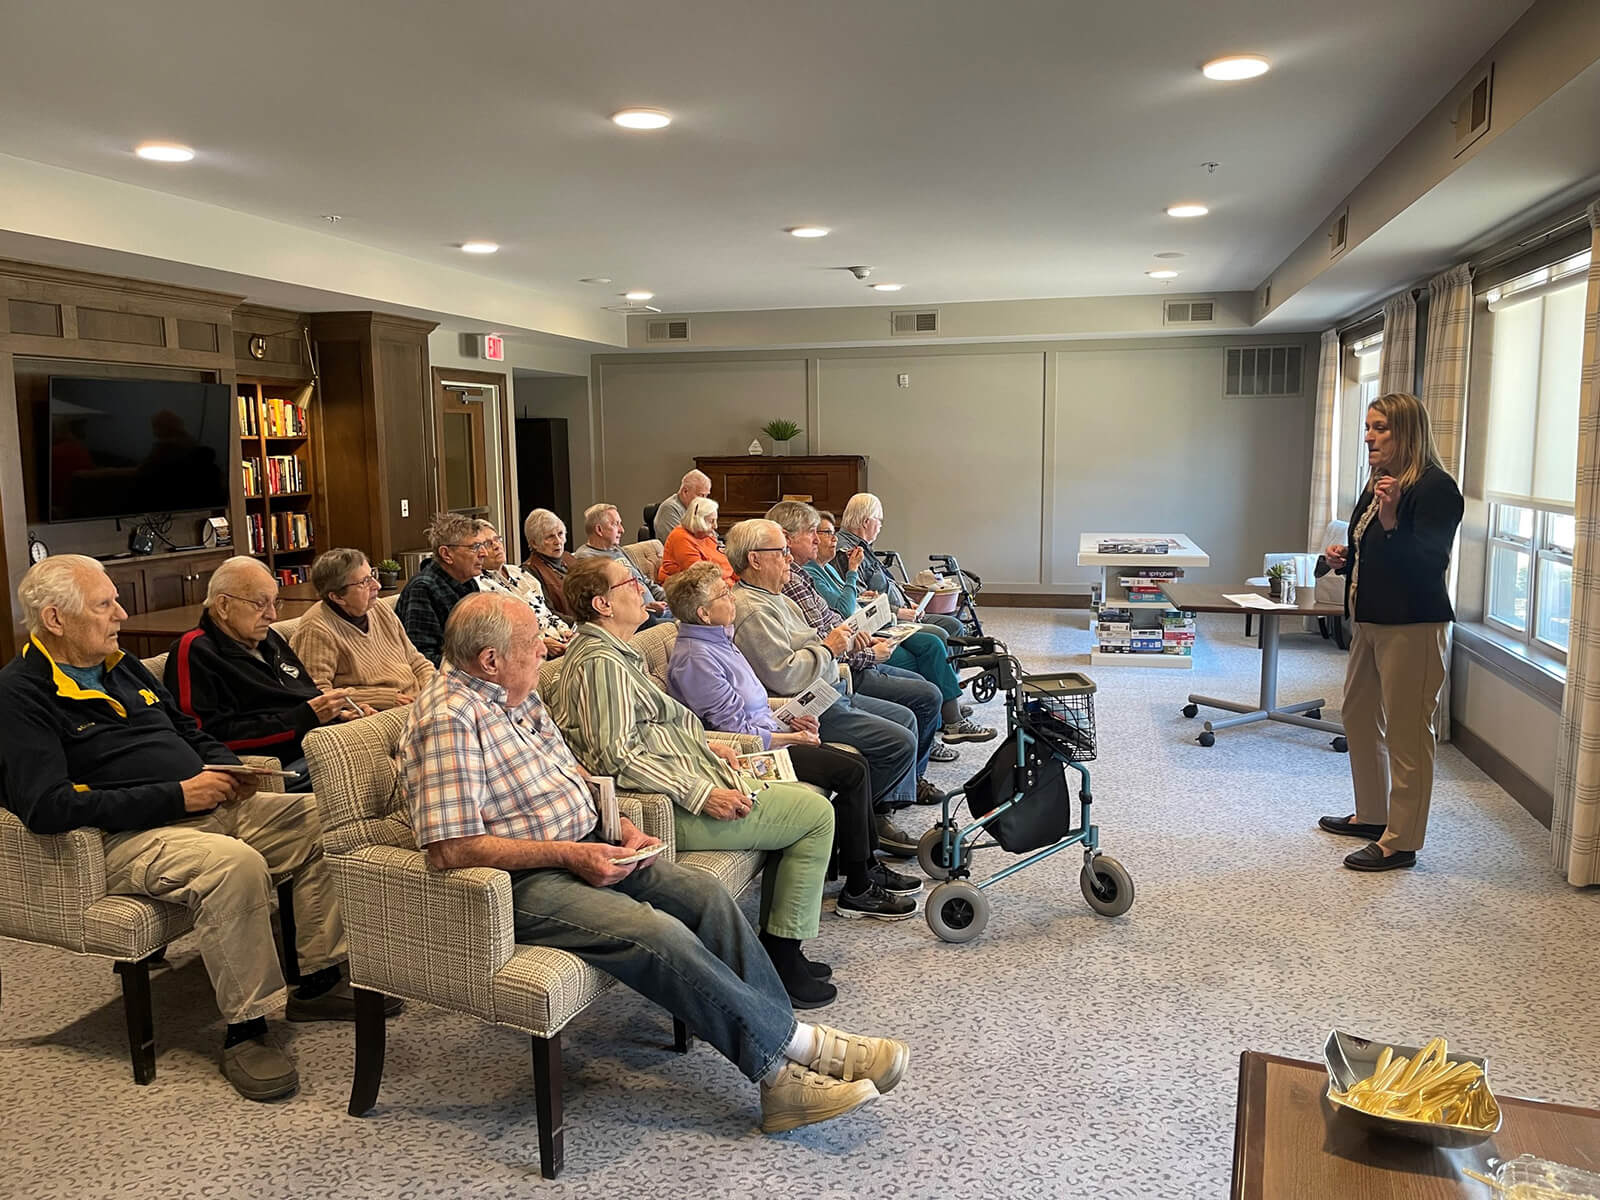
[(127, 447)]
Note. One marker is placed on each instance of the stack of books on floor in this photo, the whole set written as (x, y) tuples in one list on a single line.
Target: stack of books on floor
[(1114, 629), (1177, 633)]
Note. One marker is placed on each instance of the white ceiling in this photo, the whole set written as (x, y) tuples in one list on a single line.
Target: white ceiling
[(973, 151)]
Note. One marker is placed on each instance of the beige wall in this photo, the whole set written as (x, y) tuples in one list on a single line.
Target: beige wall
[(565, 398), (1523, 728), (999, 453)]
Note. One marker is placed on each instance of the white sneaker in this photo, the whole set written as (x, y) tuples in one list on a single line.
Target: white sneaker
[(801, 1097), (851, 1056)]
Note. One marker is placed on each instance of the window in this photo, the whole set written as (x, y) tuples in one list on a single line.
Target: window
[(1529, 585), (1369, 359)]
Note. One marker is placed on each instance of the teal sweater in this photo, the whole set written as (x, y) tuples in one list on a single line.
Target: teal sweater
[(839, 593)]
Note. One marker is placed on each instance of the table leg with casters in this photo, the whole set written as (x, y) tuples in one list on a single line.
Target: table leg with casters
[(1266, 706)]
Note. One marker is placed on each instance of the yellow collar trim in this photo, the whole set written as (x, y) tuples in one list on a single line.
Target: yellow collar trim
[(67, 687)]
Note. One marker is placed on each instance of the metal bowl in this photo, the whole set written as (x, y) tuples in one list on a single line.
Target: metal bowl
[(1351, 1059)]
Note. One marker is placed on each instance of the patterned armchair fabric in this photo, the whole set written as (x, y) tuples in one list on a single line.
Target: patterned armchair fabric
[(646, 556)]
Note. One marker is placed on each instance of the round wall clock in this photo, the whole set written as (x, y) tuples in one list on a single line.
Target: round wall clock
[(37, 550), (258, 346)]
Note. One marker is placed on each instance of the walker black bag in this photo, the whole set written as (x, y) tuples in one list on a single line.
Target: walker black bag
[(1042, 817)]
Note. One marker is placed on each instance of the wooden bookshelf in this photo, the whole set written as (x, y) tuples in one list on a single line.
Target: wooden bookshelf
[(278, 477)]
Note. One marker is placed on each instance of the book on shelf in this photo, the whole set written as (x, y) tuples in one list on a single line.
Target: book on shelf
[(1146, 575), (285, 473), (249, 417), (250, 469)]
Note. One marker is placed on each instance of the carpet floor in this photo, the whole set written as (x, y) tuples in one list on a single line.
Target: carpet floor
[(1061, 1054)]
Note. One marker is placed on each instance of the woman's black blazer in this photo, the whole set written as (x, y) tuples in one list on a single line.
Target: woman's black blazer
[(1403, 570)]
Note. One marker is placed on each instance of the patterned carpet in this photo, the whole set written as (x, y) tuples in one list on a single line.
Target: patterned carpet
[(1061, 1054)]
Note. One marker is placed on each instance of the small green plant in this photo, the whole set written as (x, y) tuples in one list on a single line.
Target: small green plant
[(1280, 570), (781, 430), (389, 564)]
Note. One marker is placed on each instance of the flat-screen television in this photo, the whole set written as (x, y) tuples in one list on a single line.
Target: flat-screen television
[(127, 447)]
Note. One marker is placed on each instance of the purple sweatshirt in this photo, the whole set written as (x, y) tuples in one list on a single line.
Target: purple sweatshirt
[(709, 677)]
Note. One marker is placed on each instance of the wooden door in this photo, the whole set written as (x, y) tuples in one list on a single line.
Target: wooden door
[(463, 452), (130, 587), (165, 586)]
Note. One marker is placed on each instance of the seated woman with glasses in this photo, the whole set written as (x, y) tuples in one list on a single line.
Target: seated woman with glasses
[(693, 541), (351, 641), (501, 576), (548, 558)]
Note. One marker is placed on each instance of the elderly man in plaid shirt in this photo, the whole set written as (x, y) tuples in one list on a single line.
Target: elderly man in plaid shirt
[(490, 783)]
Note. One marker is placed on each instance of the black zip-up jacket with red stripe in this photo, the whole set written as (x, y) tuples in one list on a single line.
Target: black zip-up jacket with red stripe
[(114, 759), (252, 705)]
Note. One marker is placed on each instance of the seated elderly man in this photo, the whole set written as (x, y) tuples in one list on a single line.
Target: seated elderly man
[(695, 541), (353, 643), (548, 560), (241, 682), (859, 526), (670, 512), (920, 654), (490, 783), (788, 656), (604, 524), (619, 723), (445, 578), (92, 740), (500, 576)]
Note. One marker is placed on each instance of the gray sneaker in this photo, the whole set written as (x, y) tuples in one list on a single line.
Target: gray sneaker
[(259, 1069), (967, 731)]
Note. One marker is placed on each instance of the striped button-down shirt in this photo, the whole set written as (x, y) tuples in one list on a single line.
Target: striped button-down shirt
[(472, 766), (619, 723), (804, 593)]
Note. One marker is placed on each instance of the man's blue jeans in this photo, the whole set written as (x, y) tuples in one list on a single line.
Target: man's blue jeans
[(675, 936), (886, 735), (909, 690)]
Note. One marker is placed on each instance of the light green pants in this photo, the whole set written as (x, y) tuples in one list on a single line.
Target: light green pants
[(797, 825)]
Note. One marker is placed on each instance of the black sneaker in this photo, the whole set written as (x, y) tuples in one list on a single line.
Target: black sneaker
[(892, 840), (875, 903), (893, 882)]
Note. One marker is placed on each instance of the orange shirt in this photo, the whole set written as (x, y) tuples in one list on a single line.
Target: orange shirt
[(684, 549)]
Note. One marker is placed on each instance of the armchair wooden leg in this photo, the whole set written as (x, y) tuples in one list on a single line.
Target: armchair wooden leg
[(141, 1022), (286, 952), (682, 1039), (547, 1081), (371, 1040)]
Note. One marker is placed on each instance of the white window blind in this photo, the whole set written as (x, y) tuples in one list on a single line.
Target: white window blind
[(1531, 458)]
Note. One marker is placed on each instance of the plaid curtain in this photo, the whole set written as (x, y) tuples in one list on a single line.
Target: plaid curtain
[(1325, 445), (1575, 823), (1397, 371)]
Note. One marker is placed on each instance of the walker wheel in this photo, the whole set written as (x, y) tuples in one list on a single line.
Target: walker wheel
[(931, 854), (1207, 738), (1341, 745), (983, 688), (1191, 710), (1107, 886), (957, 911)]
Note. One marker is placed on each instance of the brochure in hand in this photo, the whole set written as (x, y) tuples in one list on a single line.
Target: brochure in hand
[(767, 766), (811, 702), (245, 771), (605, 802), (871, 617)]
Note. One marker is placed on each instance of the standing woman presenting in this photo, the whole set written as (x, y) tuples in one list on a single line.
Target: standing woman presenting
[(1398, 602)]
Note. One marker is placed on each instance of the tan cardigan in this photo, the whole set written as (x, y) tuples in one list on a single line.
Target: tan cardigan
[(376, 666)]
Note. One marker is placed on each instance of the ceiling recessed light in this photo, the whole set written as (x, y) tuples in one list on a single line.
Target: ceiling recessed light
[(638, 297), (1187, 210), (1162, 273), (807, 231), (886, 287), (1170, 254), (167, 152), (479, 247), (597, 279), (1236, 66), (642, 118)]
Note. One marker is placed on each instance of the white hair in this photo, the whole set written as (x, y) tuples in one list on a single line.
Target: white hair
[(231, 574), (481, 621), (860, 509), (594, 514), (55, 582), (700, 518), (747, 536), (540, 524)]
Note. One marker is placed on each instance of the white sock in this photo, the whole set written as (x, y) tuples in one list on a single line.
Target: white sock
[(802, 1047)]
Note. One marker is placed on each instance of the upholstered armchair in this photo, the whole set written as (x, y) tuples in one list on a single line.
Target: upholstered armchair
[(646, 555)]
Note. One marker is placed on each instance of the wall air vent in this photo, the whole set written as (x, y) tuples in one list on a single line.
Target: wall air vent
[(1472, 113), (675, 330), (1338, 234), (1263, 371), (925, 321), (1189, 312)]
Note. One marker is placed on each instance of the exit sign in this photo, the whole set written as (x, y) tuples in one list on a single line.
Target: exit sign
[(494, 347)]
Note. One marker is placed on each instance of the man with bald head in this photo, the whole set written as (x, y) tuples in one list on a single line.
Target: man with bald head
[(240, 681), (93, 741), (669, 513)]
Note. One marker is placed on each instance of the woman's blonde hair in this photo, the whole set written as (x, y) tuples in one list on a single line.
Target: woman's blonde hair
[(1414, 451), (700, 518)]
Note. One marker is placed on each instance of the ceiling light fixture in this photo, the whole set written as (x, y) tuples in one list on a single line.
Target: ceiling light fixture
[(638, 297), (1162, 273), (597, 279), (807, 231), (1187, 210), (642, 118), (1235, 67), (886, 287), (479, 247), (167, 152)]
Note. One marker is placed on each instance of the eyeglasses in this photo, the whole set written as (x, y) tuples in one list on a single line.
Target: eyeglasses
[(783, 550), (631, 581), (261, 606), (496, 540), (726, 591), (475, 547), (367, 580)]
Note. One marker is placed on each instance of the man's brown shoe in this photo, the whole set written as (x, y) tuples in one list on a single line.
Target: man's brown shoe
[(259, 1069), (850, 1056), (801, 1097), (338, 1003)]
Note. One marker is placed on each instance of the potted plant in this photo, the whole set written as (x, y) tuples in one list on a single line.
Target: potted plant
[(781, 430), (1280, 580), (388, 573)]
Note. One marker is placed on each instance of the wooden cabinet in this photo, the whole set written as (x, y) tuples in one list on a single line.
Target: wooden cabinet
[(748, 485), (279, 469), (163, 581)]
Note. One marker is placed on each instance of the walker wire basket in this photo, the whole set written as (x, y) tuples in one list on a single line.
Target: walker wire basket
[(1058, 710)]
